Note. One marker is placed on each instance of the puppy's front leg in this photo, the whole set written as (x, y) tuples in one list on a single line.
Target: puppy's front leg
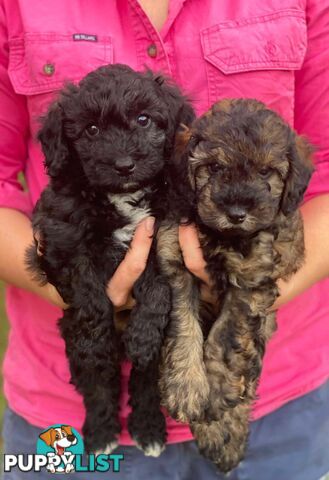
[(235, 347), (236, 342), (233, 357), (183, 383), (227, 351), (144, 334), (146, 423)]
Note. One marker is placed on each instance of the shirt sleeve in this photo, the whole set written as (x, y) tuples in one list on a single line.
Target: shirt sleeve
[(14, 128), (312, 94)]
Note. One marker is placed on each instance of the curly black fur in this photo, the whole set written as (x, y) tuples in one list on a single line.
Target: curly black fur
[(106, 144)]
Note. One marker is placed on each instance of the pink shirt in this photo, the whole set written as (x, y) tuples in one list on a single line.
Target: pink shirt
[(272, 50)]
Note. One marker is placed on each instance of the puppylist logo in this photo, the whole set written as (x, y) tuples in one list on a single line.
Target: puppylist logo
[(60, 450)]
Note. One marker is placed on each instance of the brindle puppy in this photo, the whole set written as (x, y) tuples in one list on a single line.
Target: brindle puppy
[(244, 171)]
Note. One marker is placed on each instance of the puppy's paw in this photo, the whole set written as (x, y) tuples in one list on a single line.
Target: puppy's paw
[(224, 441), (101, 441), (232, 454), (210, 438), (215, 443), (153, 449), (229, 460), (186, 395), (147, 427)]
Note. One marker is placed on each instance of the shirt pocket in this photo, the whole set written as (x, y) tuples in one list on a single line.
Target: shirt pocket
[(44, 62), (256, 57)]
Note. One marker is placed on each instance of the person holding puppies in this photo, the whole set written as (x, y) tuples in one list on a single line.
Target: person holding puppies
[(214, 50)]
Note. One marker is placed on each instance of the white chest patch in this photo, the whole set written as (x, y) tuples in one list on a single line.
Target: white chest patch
[(134, 209)]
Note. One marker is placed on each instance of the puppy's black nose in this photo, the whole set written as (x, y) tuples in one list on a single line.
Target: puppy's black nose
[(236, 214), (71, 438), (124, 166)]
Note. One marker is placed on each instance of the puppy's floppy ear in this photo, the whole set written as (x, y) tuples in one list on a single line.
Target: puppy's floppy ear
[(181, 163), (48, 436), (183, 136), (181, 180), (300, 171), (53, 141), (180, 110)]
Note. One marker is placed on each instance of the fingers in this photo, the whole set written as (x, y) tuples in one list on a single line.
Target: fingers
[(285, 288), (54, 297), (130, 303), (194, 261), (132, 265), (192, 252), (208, 294)]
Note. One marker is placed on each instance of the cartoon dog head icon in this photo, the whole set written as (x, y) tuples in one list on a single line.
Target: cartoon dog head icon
[(59, 438)]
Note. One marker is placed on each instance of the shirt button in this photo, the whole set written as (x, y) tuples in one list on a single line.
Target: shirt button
[(49, 69), (152, 51)]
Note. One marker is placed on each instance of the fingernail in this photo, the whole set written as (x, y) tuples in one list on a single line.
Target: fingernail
[(184, 221), (149, 224)]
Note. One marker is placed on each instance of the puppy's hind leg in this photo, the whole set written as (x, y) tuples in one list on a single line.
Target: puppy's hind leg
[(146, 423), (183, 383)]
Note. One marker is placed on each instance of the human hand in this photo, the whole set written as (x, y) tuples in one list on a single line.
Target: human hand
[(194, 261), (50, 293), (120, 286)]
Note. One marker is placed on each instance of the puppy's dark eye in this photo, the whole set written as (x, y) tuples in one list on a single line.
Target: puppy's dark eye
[(265, 172), (214, 168), (143, 120), (92, 130)]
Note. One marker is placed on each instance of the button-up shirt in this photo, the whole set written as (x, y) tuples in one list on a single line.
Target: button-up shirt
[(271, 50)]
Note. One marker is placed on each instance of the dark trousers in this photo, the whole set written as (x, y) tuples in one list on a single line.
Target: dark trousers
[(291, 443)]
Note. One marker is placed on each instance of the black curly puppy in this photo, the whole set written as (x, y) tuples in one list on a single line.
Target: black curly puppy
[(106, 142)]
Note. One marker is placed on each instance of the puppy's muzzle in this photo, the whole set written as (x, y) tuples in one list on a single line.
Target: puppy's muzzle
[(236, 214), (124, 166)]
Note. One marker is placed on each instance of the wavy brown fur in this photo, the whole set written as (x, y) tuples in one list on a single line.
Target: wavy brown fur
[(243, 172)]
